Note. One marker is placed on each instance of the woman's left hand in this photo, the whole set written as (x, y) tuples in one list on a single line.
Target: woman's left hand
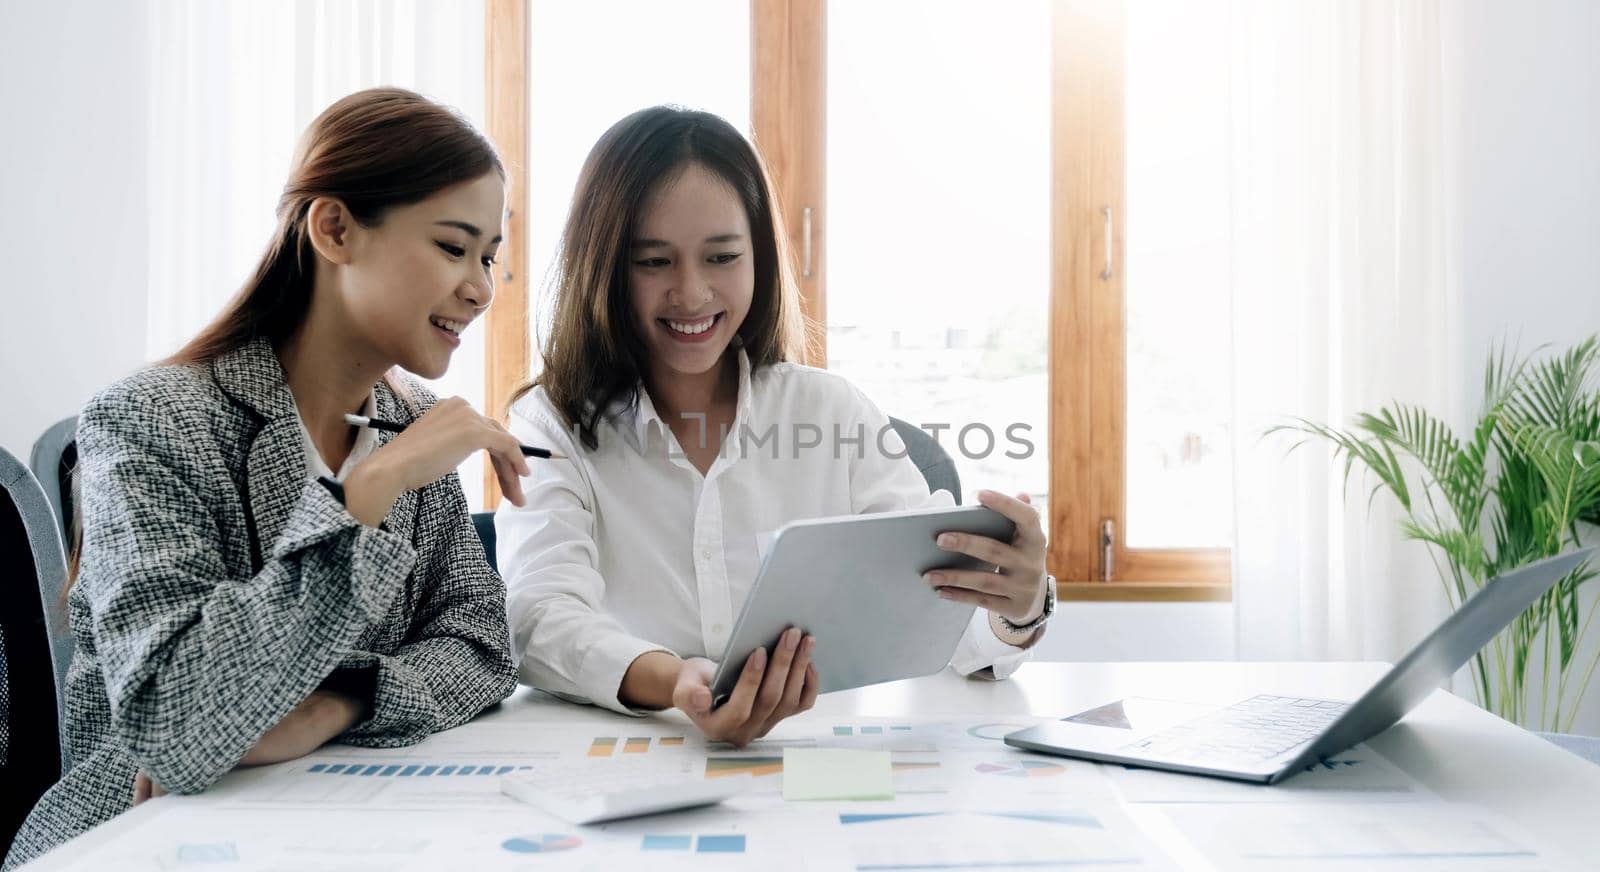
[(1017, 591)]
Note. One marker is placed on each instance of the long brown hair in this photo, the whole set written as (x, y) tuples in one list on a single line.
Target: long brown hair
[(373, 150), (594, 355)]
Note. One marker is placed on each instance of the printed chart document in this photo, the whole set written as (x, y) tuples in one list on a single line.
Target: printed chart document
[(994, 835), (962, 799), (269, 840), (1358, 836)]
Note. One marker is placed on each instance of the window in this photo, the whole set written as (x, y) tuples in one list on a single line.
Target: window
[(1015, 208), (938, 193)]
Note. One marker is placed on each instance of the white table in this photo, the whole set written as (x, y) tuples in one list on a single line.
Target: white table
[(1454, 748)]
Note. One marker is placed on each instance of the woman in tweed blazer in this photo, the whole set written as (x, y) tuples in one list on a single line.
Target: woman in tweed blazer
[(231, 609)]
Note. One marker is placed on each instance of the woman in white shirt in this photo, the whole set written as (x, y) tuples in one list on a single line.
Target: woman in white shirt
[(669, 381)]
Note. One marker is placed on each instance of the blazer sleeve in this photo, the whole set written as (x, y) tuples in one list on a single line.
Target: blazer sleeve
[(458, 661), (198, 664)]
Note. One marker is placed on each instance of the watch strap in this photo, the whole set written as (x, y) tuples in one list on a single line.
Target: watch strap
[(1044, 615)]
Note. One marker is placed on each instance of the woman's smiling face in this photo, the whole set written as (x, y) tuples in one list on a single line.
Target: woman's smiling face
[(690, 273), (419, 277)]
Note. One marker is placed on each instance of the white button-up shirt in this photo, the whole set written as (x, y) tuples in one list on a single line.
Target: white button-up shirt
[(366, 443), (628, 549)]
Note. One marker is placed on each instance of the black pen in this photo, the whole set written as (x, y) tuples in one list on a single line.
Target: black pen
[(392, 427)]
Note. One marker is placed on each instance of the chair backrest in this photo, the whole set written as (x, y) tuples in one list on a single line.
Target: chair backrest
[(930, 457), (32, 752), (54, 456), (484, 522)]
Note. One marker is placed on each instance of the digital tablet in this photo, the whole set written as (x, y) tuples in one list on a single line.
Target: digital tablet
[(855, 583)]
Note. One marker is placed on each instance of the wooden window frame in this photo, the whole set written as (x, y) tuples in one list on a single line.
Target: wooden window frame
[(1088, 329), (788, 121), (508, 353), (1088, 362)]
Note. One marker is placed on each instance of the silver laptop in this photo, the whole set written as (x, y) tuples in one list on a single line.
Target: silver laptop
[(1269, 737)]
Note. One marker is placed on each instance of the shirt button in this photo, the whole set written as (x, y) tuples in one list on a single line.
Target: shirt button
[(705, 553), (716, 628)]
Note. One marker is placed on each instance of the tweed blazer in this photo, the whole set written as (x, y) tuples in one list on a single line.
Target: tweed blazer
[(219, 586)]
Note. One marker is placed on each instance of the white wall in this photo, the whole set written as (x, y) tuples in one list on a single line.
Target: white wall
[(1529, 165), (72, 170), (1140, 631), (1527, 161)]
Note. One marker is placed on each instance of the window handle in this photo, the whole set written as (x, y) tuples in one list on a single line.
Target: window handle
[(1106, 273), (1108, 549), (805, 243)]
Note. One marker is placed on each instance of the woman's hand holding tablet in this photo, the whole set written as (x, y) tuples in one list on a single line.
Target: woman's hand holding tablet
[(1015, 590), (763, 696)]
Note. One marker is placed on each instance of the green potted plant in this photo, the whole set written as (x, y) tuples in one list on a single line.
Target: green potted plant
[(1523, 485)]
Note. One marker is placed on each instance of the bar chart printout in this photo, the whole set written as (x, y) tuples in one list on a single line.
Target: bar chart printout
[(1003, 838), (606, 746)]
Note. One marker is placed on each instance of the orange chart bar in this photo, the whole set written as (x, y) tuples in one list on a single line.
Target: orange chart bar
[(717, 767), (603, 747)]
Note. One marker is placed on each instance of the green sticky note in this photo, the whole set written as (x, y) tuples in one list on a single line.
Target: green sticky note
[(836, 773)]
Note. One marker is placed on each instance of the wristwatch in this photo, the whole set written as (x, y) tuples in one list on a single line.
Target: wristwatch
[(1049, 609)]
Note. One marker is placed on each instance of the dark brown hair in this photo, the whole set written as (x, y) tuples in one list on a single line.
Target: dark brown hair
[(373, 150), (594, 355)]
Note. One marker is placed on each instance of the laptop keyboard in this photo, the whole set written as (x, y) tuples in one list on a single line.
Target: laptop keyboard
[(1256, 729)]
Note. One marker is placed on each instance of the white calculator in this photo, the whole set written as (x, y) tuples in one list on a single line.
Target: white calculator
[(584, 792)]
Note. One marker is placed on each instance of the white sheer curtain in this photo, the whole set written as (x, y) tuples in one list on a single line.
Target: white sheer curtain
[(233, 85), (1344, 299)]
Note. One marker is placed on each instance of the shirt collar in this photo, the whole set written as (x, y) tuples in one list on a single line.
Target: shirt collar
[(366, 443), (643, 412)]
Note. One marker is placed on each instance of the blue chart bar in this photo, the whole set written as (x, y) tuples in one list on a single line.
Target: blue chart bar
[(666, 843), (699, 844), (720, 845), (406, 770)]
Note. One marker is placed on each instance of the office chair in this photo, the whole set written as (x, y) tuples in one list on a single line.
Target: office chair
[(484, 522), (935, 464), (32, 752), (54, 456)]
